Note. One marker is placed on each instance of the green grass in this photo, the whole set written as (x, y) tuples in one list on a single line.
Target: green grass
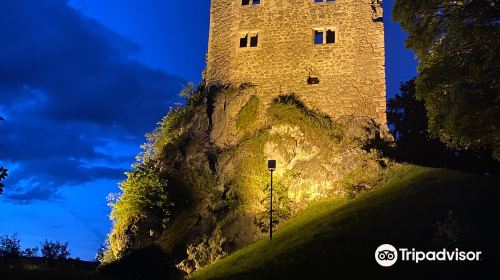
[(339, 237)]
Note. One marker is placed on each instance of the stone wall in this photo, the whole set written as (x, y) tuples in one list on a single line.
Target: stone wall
[(351, 71)]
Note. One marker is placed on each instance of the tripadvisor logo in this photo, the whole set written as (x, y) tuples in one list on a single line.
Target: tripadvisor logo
[(387, 255)]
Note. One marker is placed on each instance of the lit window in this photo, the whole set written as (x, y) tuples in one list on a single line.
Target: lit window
[(324, 36), (318, 37), (250, 2)]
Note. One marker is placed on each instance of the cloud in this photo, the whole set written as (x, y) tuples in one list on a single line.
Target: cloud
[(68, 86)]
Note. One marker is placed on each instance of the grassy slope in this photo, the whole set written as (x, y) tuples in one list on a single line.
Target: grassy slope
[(334, 238)]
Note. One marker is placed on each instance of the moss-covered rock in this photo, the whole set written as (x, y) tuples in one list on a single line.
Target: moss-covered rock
[(213, 154)]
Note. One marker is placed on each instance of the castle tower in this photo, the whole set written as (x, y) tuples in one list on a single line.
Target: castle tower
[(328, 52)]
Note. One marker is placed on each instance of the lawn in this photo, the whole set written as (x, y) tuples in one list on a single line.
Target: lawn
[(338, 237)]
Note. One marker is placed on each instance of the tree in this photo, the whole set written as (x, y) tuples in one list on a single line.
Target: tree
[(10, 246), (30, 252), (55, 250), (458, 49), (407, 117), (3, 171), (3, 175)]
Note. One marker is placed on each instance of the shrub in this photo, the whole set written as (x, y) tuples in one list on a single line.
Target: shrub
[(144, 191), (281, 206), (248, 114), (289, 109), (169, 131), (144, 205)]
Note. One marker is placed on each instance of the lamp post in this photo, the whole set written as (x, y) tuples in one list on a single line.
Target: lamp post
[(271, 165)]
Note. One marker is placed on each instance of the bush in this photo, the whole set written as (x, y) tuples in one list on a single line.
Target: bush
[(169, 131), (55, 250), (281, 207), (144, 191), (143, 207), (248, 114), (289, 109), (10, 246)]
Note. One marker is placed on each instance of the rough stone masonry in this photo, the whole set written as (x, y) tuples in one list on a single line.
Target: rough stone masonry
[(329, 53)]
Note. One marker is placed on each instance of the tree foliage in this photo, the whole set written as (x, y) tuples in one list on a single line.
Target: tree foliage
[(145, 206), (55, 250), (30, 252), (3, 172), (3, 175), (407, 117), (458, 49), (144, 192), (10, 246)]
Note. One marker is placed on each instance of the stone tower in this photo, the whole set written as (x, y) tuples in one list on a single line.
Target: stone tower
[(328, 52)]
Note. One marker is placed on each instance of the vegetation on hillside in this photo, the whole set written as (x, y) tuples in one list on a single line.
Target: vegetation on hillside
[(51, 261), (145, 207), (417, 207), (10, 248), (199, 201)]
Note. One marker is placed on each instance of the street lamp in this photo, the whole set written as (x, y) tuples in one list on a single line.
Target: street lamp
[(271, 165)]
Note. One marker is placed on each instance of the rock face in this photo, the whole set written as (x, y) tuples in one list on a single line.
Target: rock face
[(223, 164)]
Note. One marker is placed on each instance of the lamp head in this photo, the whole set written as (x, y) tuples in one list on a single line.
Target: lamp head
[(271, 165)]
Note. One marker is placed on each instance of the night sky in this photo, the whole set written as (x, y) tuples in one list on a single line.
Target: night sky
[(81, 82)]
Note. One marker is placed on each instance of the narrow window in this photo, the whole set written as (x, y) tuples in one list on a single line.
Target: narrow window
[(249, 39), (254, 40), (244, 41), (330, 36), (318, 37), (248, 2), (324, 36)]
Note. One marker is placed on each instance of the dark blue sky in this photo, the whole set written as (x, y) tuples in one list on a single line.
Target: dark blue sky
[(81, 82)]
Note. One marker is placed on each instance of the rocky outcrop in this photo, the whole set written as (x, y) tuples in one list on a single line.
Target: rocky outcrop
[(227, 206), (211, 158)]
